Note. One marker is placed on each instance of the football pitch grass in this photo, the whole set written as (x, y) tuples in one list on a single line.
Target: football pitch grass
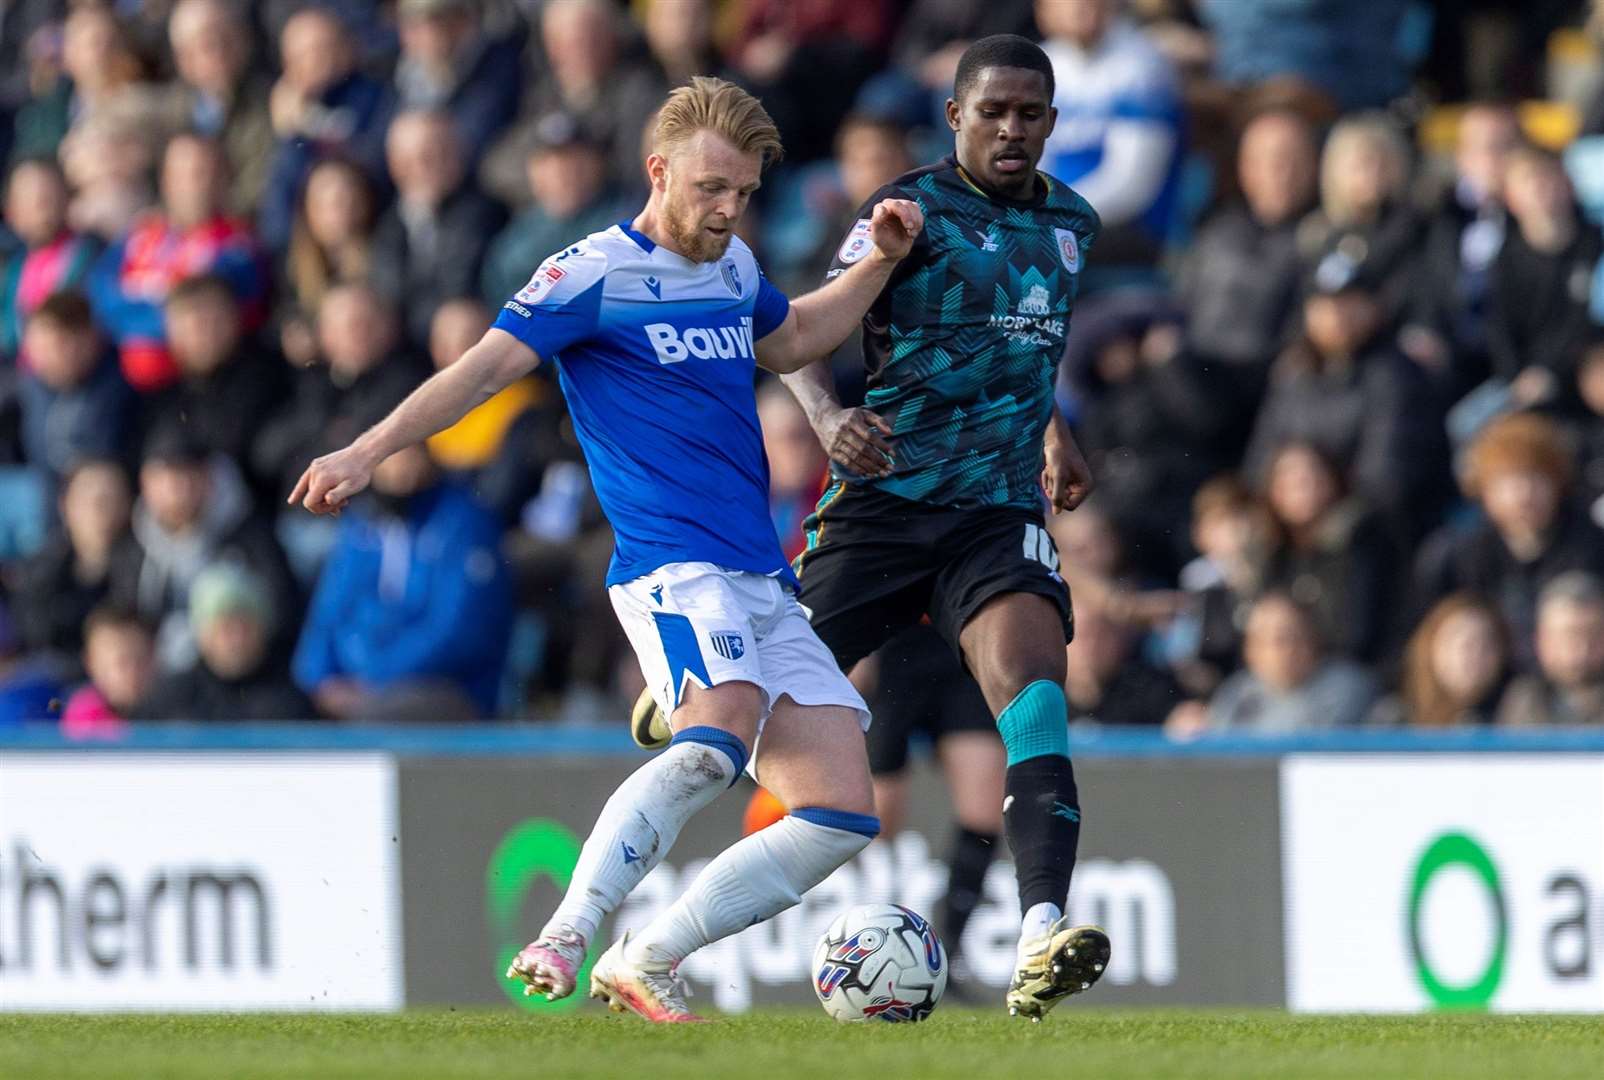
[(781, 1044)]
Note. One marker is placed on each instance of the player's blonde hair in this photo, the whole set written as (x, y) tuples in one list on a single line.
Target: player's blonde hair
[(709, 104)]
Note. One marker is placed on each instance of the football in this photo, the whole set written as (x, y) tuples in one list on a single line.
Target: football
[(879, 962)]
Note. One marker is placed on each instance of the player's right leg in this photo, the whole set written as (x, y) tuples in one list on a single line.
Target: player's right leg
[(811, 758), (714, 702)]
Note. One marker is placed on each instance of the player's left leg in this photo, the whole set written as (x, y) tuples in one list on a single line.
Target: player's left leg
[(1014, 646), (812, 759), (810, 754)]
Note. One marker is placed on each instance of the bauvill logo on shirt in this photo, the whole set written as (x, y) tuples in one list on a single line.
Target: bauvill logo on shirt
[(673, 345)]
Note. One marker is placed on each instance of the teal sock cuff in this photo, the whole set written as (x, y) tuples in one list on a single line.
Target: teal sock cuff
[(1036, 723)]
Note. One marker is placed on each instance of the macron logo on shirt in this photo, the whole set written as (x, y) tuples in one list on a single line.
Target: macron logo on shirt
[(673, 345)]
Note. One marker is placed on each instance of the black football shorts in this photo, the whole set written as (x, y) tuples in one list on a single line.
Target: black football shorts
[(877, 563)]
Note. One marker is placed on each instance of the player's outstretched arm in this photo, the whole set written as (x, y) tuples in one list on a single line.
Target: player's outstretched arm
[(823, 319), (497, 360)]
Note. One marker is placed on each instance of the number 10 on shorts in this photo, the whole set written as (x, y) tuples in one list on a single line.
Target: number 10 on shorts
[(1039, 547)]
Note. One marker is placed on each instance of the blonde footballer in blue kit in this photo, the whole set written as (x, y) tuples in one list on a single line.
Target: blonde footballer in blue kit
[(656, 327)]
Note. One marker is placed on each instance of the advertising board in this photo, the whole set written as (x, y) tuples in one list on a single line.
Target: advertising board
[(201, 881), (1452, 882)]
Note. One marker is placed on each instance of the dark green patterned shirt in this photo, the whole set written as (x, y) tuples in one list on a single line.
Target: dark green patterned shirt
[(962, 346)]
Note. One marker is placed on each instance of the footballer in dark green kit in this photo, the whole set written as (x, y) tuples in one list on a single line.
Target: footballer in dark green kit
[(936, 506)]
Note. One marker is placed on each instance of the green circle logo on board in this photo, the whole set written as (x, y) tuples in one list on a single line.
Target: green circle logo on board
[(531, 850), (1458, 849)]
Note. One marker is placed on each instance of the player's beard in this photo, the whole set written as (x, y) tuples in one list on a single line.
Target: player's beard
[(686, 232)]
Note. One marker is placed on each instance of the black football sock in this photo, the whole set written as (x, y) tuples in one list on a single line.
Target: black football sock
[(1041, 816), (967, 863)]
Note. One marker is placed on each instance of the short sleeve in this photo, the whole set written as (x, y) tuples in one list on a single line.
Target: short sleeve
[(858, 241), (561, 304), (769, 308)]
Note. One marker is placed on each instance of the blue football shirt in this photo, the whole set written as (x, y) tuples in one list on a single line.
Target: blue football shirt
[(656, 356)]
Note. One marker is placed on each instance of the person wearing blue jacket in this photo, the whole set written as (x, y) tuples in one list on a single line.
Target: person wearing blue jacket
[(410, 618)]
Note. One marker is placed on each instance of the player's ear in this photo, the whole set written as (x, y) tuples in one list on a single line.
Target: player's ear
[(953, 112), (1052, 118), (657, 171)]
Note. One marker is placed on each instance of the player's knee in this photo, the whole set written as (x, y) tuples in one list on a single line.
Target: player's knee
[(852, 831), (710, 755)]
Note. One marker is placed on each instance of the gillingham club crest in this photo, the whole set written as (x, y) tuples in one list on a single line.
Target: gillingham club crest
[(1068, 249)]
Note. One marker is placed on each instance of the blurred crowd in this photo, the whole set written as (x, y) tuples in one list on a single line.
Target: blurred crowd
[(1337, 362)]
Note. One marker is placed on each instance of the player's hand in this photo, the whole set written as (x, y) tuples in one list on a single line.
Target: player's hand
[(330, 481), (894, 225), (1065, 476), (858, 441)]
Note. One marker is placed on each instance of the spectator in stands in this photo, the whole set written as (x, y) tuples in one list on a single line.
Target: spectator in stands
[(567, 181), (430, 245), (190, 234), (584, 77), (220, 95), (1234, 534), (932, 36), (450, 63), (56, 588), (330, 243), (1289, 682), (366, 372), (1365, 225), (870, 152), (1108, 680), (321, 106), (29, 690), (108, 161), (411, 615), (75, 403), (807, 62), (475, 440), (227, 385), (1347, 390), (1521, 472), (237, 675), (1148, 423), (192, 511), (1118, 139), (1449, 317), (1456, 667), (1101, 562), (1333, 555), (1569, 685), (119, 655), (1349, 49), (99, 72), (1586, 427), (1240, 279), (27, 26), (679, 35), (49, 257), (1542, 279)]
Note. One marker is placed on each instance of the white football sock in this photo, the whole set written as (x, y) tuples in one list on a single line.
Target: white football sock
[(1036, 922), (754, 879), (641, 821)]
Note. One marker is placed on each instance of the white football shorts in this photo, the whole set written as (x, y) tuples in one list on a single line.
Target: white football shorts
[(696, 622)]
